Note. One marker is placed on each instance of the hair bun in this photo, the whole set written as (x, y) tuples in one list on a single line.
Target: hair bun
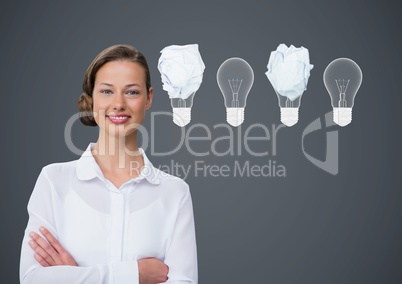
[(85, 107)]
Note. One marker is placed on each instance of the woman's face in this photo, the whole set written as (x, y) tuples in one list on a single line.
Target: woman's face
[(120, 97)]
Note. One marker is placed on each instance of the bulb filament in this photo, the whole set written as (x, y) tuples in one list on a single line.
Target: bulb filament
[(235, 86), (342, 86)]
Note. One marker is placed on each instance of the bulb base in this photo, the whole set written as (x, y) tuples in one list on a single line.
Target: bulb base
[(342, 115), (289, 115), (181, 116), (235, 115)]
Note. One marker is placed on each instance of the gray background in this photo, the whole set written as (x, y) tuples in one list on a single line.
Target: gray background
[(310, 227)]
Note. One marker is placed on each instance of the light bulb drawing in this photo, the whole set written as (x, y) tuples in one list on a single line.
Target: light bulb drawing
[(342, 78), (181, 69), (289, 71), (235, 78)]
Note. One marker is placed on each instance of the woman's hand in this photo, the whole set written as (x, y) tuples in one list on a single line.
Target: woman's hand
[(49, 252), (152, 271)]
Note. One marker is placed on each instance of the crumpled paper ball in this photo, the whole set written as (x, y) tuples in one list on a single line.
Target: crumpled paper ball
[(289, 70), (181, 69)]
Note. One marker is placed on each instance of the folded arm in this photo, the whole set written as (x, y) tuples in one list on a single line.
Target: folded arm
[(41, 213)]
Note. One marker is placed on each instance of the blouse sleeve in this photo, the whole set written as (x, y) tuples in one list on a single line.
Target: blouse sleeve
[(41, 211), (181, 256)]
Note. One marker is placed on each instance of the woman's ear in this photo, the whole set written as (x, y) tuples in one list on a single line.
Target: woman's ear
[(149, 98)]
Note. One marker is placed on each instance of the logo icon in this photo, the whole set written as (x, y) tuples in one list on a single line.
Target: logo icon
[(330, 164)]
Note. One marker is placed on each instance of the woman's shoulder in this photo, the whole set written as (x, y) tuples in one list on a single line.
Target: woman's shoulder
[(170, 181), (55, 177), (60, 168)]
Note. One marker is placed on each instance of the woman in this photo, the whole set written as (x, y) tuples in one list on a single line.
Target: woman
[(110, 216)]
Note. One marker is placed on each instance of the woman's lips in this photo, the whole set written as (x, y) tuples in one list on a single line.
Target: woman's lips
[(118, 119)]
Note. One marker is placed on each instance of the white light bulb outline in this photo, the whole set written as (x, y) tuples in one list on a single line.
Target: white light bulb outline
[(235, 87), (342, 108)]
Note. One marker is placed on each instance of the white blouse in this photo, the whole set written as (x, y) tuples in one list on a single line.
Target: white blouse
[(106, 229)]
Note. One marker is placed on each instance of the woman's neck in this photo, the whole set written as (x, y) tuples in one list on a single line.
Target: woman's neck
[(118, 154)]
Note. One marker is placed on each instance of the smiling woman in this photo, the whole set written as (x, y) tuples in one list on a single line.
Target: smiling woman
[(99, 220)]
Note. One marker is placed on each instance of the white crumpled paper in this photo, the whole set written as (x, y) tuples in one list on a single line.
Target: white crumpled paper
[(289, 70), (181, 69)]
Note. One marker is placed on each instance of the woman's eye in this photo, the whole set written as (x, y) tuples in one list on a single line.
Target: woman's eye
[(107, 92), (133, 92)]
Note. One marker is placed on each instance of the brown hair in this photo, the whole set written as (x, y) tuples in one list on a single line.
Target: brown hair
[(112, 53)]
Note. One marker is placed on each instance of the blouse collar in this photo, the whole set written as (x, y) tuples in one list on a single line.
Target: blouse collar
[(87, 168)]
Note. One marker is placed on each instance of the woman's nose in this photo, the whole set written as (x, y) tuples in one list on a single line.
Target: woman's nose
[(119, 102)]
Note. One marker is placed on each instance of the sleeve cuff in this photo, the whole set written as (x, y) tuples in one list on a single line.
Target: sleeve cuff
[(124, 272)]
